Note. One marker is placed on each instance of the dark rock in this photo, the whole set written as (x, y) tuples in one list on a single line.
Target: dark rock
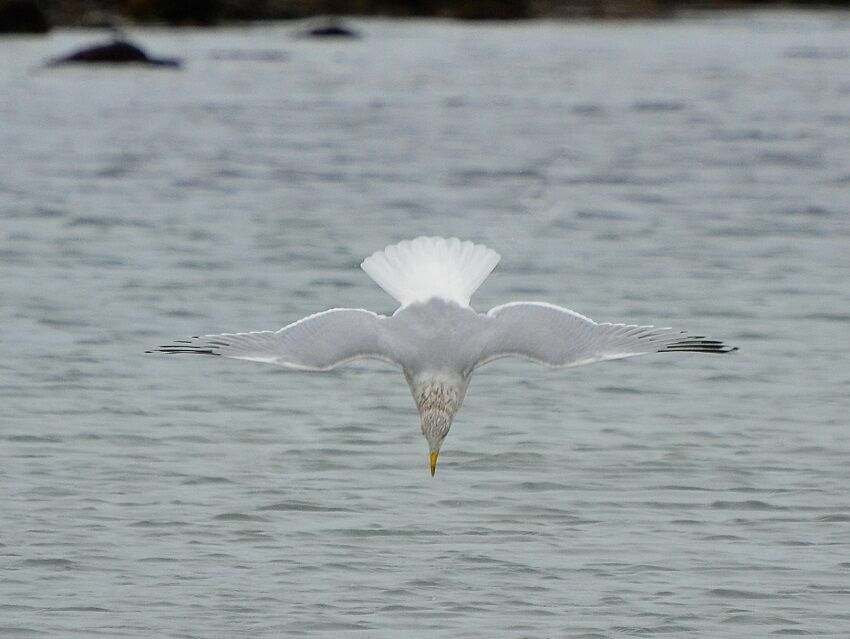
[(22, 16), (116, 52), (331, 31)]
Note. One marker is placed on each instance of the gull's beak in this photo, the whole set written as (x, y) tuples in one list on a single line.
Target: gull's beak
[(434, 455)]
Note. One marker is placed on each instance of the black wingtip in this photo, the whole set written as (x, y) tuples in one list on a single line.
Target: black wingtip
[(184, 346), (189, 351), (698, 346)]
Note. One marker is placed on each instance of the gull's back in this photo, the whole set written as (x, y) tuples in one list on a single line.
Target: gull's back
[(436, 336), (435, 330)]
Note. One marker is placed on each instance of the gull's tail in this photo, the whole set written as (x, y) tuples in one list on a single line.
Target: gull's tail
[(417, 270)]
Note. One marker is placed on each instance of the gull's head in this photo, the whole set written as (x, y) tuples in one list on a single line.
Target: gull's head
[(437, 397), (435, 426)]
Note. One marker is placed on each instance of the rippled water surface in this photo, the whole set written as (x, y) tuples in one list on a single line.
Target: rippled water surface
[(692, 173)]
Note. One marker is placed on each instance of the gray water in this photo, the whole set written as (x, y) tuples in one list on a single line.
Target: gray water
[(693, 173)]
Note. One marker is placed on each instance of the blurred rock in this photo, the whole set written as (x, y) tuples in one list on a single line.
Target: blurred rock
[(22, 16), (331, 30), (115, 52)]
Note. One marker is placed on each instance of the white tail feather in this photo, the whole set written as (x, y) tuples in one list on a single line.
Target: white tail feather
[(417, 270)]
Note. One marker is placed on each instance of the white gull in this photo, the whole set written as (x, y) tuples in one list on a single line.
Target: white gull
[(435, 337)]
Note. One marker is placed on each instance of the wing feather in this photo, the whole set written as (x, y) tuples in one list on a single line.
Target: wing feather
[(558, 337), (319, 342)]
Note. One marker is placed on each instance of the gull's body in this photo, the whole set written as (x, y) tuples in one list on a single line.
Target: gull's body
[(435, 337)]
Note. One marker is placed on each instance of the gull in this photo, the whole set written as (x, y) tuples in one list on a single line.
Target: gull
[(435, 337)]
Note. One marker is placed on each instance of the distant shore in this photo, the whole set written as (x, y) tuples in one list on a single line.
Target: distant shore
[(40, 15)]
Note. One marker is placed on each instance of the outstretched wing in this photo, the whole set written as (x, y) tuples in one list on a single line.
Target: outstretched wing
[(319, 342), (558, 337)]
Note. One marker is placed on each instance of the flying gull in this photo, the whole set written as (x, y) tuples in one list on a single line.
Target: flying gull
[(435, 337)]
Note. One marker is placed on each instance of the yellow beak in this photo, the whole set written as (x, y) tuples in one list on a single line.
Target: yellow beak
[(434, 455)]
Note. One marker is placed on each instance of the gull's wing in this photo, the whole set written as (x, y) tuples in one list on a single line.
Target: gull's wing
[(319, 342), (558, 337)]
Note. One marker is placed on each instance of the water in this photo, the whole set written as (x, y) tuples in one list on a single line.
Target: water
[(693, 173)]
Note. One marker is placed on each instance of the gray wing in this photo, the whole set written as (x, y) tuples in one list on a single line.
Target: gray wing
[(319, 342), (558, 337)]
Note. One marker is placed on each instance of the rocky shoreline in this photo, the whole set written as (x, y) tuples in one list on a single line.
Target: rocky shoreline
[(38, 16)]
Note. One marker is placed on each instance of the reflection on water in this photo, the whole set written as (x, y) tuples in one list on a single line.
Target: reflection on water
[(692, 173)]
